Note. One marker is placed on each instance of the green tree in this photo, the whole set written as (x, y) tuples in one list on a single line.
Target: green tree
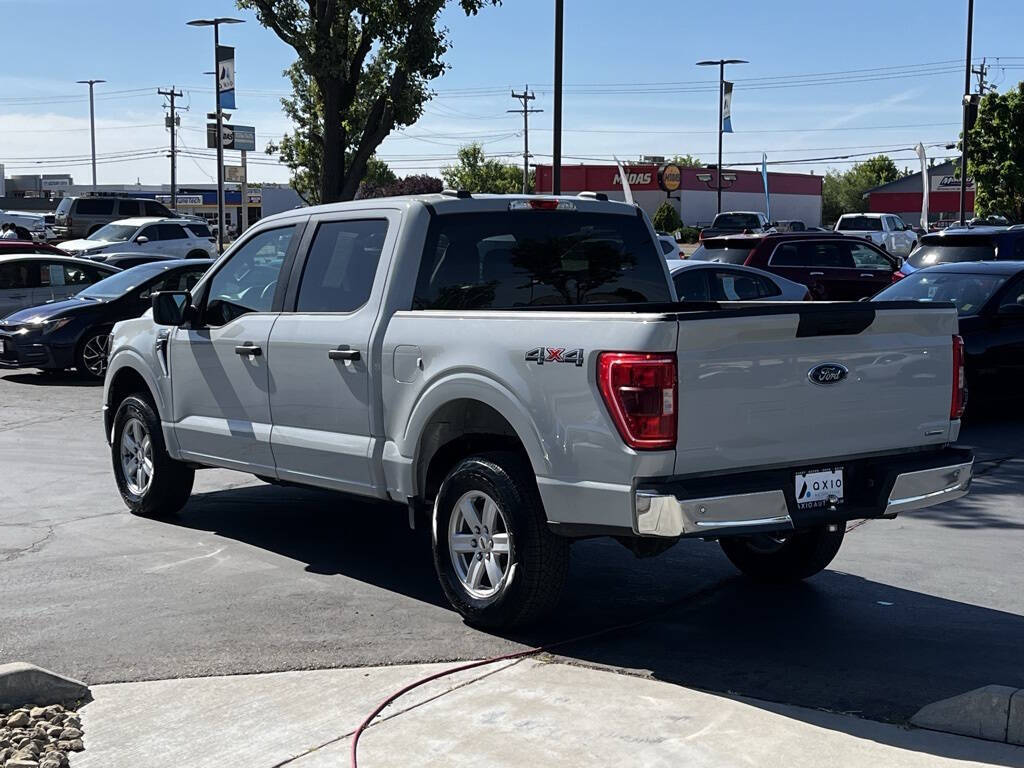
[(995, 158), (475, 173), (843, 191), (362, 70), (687, 161), (666, 218)]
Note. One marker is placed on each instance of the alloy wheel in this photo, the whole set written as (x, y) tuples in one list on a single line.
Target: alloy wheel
[(479, 543), (136, 456), (94, 355)]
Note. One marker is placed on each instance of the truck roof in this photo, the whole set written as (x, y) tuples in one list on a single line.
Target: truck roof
[(452, 202)]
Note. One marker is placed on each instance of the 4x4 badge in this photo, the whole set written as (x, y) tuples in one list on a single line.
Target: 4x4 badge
[(541, 355)]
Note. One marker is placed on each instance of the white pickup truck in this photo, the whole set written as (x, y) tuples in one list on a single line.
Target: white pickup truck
[(516, 371), (886, 230)]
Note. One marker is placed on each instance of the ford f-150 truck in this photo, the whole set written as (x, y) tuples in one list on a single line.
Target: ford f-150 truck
[(516, 370)]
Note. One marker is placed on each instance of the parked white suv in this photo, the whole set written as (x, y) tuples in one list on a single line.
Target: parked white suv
[(885, 230), (180, 238)]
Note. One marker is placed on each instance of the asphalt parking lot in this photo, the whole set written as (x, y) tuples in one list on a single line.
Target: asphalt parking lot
[(255, 578)]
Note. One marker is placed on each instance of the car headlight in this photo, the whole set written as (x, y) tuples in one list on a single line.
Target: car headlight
[(48, 325)]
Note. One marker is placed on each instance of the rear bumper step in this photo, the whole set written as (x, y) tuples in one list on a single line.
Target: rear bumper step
[(761, 501)]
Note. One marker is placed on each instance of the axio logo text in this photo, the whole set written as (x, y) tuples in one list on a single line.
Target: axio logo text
[(633, 178)]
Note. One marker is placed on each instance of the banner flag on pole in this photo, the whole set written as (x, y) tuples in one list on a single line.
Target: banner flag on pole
[(626, 189), (727, 107), (764, 177), (926, 182), (226, 75)]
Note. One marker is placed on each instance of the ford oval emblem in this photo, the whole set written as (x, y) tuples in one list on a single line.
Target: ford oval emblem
[(827, 373)]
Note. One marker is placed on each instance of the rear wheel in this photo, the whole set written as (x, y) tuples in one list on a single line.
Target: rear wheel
[(198, 255), (498, 563), (91, 357), (784, 558), (152, 484)]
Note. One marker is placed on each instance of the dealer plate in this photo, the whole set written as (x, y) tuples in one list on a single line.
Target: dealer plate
[(813, 489)]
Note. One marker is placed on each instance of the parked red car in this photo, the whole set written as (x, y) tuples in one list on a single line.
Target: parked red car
[(833, 267), (12, 247)]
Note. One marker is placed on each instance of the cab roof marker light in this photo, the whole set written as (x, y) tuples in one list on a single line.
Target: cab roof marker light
[(541, 204)]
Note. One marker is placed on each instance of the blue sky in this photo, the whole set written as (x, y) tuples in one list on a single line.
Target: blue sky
[(632, 86)]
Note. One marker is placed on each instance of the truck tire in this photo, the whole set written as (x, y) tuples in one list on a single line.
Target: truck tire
[(782, 559), (498, 563), (138, 446)]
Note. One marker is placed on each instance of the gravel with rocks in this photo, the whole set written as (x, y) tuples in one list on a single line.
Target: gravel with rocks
[(39, 737)]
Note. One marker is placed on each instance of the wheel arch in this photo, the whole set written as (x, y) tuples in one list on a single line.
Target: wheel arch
[(124, 379)]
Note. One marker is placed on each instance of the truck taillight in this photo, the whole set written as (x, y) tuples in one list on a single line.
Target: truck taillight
[(959, 399), (897, 276), (642, 394)]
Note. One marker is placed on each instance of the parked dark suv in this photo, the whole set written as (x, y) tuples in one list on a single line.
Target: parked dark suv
[(966, 244), (78, 217), (833, 267)]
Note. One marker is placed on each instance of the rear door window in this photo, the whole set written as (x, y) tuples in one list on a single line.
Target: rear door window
[(734, 285), (128, 208), (199, 230), (77, 274), (18, 274), (95, 206), (868, 258), (171, 232), (153, 208), (342, 262), (692, 284), (504, 260), (823, 254)]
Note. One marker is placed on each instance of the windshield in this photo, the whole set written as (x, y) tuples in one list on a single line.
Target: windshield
[(116, 233), (967, 290), (736, 221), (121, 283), (859, 224), (725, 251), (975, 249)]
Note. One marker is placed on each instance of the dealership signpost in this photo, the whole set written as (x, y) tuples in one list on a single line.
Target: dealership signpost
[(720, 63)]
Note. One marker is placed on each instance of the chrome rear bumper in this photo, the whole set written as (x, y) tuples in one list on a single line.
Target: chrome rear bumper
[(658, 513)]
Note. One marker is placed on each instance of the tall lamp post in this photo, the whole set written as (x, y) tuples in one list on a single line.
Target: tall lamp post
[(720, 63), (215, 23), (92, 126), (556, 128), (967, 112)]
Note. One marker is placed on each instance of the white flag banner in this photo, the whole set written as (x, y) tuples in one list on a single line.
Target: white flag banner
[(926, 183), (625, 181)]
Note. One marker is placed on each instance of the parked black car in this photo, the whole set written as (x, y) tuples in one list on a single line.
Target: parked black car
[(966, 244), (989, 298), (75, 333), (127, 260)]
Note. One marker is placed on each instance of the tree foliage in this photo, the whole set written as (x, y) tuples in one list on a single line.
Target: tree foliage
[(363, 69), (843, 191), (995, 158), (687, 161), (475, 173), (666, 218)]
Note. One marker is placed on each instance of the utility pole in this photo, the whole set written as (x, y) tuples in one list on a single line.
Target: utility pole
[(556, 133), (526, 96), (967, 112), (92, 126), (720, 63), (245, 195), (982, 73), (173, 123)]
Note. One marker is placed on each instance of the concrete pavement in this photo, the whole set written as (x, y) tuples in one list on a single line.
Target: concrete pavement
[(530, 713)]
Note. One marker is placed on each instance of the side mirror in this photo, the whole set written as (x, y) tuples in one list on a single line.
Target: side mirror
[(899, 262), (172, 308), (141, 239)]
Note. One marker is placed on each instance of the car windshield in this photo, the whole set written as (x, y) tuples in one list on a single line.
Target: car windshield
[(736, 221), (968, 291), (114, 233), (120, 283), (725, 251), (860, 224), (976, 249)]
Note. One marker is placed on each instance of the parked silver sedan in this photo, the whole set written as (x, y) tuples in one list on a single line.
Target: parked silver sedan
[(716, 281)]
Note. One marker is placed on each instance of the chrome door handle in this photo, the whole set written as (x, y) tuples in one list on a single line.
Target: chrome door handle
[(867, 274), (343, 354), (817, 274), (251, 350)]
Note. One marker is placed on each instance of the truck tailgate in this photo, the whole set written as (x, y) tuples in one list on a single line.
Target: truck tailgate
[(746, 398)]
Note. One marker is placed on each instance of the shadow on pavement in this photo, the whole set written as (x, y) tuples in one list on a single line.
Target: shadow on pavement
[(50, 379)]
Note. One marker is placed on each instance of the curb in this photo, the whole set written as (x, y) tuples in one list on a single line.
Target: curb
[(993, 713), (22, 684)]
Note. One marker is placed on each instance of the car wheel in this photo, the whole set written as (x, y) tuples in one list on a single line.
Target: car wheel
[(198, 255), (91, 357), (498, 563), (787, 557), (152, 484)]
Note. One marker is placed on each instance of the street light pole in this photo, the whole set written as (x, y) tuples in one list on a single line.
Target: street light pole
[(92, 126), (215, 23), (720, 63), (967, 111), (556, 137)]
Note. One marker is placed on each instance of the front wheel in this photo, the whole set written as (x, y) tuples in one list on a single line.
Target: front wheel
[(498, 563), (782, 558), (152, 484), (91, 357)]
